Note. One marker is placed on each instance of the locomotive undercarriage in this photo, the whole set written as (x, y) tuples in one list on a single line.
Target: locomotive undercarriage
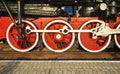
[(58, 33)]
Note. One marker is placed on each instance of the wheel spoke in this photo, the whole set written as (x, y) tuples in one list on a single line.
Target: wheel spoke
[(102, 40), (26, 44), (59, 45)]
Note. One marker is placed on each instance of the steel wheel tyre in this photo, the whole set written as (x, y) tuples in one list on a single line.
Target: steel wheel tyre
[(117, 37), (25, 44), (88, 43), (58, 42)]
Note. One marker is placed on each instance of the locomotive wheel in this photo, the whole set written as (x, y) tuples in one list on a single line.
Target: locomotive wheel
[(92, 44), (117, 37), (58, 42), (22, 44)]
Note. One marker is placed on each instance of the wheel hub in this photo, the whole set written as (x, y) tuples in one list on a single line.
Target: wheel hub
[(58, 37)]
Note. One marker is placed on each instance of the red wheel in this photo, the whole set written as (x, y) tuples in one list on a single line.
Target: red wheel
[(117, 37), (89, 43), (25, 44), (58, 42)]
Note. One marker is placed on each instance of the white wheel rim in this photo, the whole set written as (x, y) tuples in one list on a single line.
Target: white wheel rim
[(94, 51), (37, 37), (55, 21), (115, 37)]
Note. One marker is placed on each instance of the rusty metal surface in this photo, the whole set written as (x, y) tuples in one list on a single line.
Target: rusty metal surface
[(73, 54), (65, 55)]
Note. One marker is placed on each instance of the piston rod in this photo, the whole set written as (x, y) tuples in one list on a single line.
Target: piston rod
[(20, 35)]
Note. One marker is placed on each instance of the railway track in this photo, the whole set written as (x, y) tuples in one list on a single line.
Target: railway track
[(7, 53)]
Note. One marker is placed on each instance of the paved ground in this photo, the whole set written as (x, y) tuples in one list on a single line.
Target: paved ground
[(59, 67)]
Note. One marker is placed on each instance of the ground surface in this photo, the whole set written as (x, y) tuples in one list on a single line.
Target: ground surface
[(59, 67)]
